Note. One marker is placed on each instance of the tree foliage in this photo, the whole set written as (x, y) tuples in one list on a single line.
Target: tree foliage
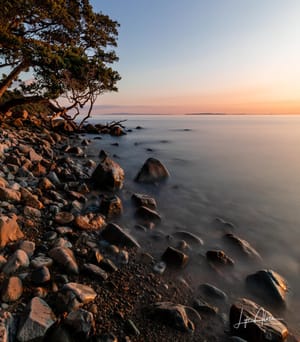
[(64, 44)]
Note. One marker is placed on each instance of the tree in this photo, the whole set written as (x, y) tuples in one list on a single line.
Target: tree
[(64, 45)]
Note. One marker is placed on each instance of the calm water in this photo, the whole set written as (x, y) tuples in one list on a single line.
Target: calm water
[(245, 169)]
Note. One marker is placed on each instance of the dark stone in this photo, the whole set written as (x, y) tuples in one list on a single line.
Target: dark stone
[(213, 292), (95, 271), (253, 323), (147, 214), (152, 171), (108, 265), (144, 200), (174, 257), (81, 322), (111, 206), (40, 275), (204, 308), (131, 328), (116, 235), (242, 246), (219, 257), (269, 286)]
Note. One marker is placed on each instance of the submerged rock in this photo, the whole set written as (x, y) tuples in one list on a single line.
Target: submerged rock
[(253, 323), (242, 246), (144, 200), (147, 214), (116, 235), (219, 257), (213, 292), (174, 257), (269, 286), (111, 206), (152, 171), (108, 175), (188, 237)]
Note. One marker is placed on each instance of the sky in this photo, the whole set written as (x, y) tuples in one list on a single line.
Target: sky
[(217, 56)]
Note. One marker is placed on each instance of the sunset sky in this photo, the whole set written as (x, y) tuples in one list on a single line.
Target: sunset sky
[(233, 56)]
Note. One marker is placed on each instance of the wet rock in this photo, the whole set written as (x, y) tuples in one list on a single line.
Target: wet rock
[(173, 315), (160, 267), (38, 318), (111, 206), (9, 230), (116, 235), (219, 257), (213, 292), (108, 175), (17, 260), (83, 292), (64, 217), (269, 286), (174, 257), (41, 261), (95, 271), (204, 308), (144, 200), (10, 195), (152, 171), (147, 214), (253, 323), (12, 289), (65, 257), (242, 246), (40, 275), (81, 323), (188, 237), (90, 221)]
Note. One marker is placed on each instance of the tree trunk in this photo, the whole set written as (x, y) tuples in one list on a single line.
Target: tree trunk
[(6, 83)]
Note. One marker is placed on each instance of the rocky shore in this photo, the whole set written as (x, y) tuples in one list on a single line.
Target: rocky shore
[(69, 272)]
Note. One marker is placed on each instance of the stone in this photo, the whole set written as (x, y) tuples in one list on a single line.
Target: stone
[(152, 171), (108, 175), (46, 184), (83, 292), (219, 257), (111, 206), (204, 308), (64, 218), (269, 286), (253, 323), (17, 260), (41, 261), (30, 200), (58, 333), (12, 289), (95, 271), (108, 265), (32, 212), (147, 214), (144, 200), (9, 230), (28, 247), (65, 258), (7, 327), (174, 257), (10, 195), (188, 237), (89, 221), (38, 319), (242, 246), (160, 267), (40, 275), (33, 156), (81, 323), (116, 235), (213, 292), (173, 315)]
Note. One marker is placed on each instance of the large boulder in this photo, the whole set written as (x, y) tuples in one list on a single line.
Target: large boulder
[(253, 323), (152, 171), (9, 230), (108, 175)]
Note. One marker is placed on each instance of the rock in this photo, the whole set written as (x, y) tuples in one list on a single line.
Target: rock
[(116, 131), (108, 265), (108, 175), (46, 184), (95, 271), (83, 292), (12, 289), (58, 333), (9, 230), (219, 257), (107, 338), (204, 308), (81, 323), (64, 218), (269, 286), (144, 200), (65, 257), (147, 214), (123, 257), (242, 246), (174, 257), (90, 221), (111, 206), (28, 247), (32, 212), (253, 323), (152, 171), (38, 318), (40, 275), (188, 237), (33, 156), (116, 235), (7, 327), (41, 261), (160, 267), (30, 200), (213, 292), (17, 260), (10, 195), (173, 315)]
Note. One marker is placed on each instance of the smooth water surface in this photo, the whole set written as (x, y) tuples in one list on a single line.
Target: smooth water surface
[(244, 169)]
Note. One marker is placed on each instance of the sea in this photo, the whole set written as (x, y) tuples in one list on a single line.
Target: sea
[(241, 169)]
